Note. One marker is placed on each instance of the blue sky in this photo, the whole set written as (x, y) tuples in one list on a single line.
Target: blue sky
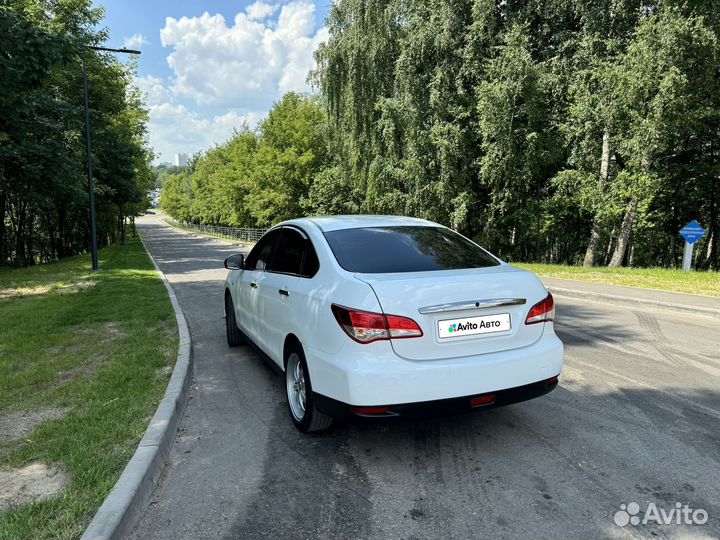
[(208, 67)]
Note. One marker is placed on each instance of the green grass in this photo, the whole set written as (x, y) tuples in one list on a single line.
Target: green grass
[(662, 279), (99, 346)]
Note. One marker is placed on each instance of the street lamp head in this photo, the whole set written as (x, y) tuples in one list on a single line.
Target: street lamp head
[(107, 49)]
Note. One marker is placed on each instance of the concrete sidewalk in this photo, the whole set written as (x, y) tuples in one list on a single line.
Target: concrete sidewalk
[(635, 297)]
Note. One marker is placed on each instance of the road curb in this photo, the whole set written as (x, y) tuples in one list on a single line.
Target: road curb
[(627, 301), (122, 507)]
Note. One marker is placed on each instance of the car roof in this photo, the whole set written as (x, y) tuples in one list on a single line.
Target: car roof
[(336, 223)]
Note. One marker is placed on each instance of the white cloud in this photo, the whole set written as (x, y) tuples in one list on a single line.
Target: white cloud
[(156, 90), (136, 41), (261, 10), (225, 75), (175, 128), (249, 63)]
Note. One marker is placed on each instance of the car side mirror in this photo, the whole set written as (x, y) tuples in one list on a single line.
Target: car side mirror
[(235, 262)]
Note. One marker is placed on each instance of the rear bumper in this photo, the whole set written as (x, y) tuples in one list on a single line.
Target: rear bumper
[(458, 405), (373, 375)]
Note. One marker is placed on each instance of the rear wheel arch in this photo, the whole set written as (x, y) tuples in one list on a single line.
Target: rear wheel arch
[(291, 341)]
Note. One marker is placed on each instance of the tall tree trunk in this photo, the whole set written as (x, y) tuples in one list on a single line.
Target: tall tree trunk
[(712, 258), (624, 236), (29, 240), (608, 248), (122, 228), (2, 227), (20, 235), (590, 253)]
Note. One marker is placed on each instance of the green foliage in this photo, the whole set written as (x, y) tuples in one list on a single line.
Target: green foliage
[(522, 124), (257, 178), (177, 196), (517, 143), (161, 173), (490, 117), (43, 187), (291, 151)]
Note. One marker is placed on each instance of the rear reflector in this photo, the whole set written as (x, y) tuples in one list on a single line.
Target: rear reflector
[(551, 382), (482, 400), (543, 311), (372, 411), (366, 326)]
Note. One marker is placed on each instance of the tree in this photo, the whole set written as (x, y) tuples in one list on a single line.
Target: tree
[(518, 143), (256, 178), (43, 194), (177, 196), (581, 131), (662, 85)]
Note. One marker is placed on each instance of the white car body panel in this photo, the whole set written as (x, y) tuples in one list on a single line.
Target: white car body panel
[(404, 294), (376, 376), (396, 371)]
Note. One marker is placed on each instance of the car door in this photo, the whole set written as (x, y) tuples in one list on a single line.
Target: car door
[(249, 284), (277, 307)]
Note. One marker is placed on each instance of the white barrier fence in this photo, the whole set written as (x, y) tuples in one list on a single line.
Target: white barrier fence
[(231, 233)]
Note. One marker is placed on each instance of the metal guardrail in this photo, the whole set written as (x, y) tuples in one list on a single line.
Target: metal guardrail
[(231, 233)]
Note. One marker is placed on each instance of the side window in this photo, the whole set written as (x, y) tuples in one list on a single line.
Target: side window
[(289, 255), (310, 264), (259, 257), (295, 255)]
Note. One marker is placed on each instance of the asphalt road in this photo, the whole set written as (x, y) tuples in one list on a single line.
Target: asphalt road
[(636, 419)]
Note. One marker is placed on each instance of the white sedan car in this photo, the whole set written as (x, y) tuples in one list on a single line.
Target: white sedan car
[(378, 316)]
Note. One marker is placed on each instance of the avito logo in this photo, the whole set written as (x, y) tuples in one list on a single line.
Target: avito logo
[(459, 327)]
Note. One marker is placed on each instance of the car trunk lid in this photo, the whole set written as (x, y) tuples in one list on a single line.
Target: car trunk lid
[(461, 312)]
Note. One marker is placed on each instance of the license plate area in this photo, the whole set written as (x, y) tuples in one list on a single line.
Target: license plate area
[(472, 326)]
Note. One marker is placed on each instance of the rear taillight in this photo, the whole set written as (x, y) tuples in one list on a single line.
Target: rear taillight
[(366, 326), (543, 311)]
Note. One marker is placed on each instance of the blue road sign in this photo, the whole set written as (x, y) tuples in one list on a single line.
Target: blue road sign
[(692, 232)]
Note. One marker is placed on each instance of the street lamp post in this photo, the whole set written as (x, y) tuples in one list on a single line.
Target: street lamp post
[(88, 140)]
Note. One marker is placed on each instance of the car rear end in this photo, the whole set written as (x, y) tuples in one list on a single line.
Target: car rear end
[(451, 331)]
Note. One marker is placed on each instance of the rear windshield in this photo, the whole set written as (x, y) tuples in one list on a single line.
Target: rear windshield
[(374, 250)]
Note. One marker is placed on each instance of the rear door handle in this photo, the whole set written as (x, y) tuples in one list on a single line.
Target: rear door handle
[(284, 292), (253, 285)]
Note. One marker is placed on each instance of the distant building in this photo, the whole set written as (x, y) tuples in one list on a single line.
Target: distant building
[(181, 160)]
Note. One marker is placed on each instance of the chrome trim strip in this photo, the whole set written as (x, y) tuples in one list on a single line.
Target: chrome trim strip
[(477, 304)]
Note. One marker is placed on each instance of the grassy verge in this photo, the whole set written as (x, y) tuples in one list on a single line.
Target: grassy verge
[(662, 279), (96, 350)]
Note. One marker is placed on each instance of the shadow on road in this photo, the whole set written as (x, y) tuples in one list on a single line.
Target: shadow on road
[(558, 467), (184, 252)]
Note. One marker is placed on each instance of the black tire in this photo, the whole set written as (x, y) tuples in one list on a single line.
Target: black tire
[(311, 419), (234, 336)]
